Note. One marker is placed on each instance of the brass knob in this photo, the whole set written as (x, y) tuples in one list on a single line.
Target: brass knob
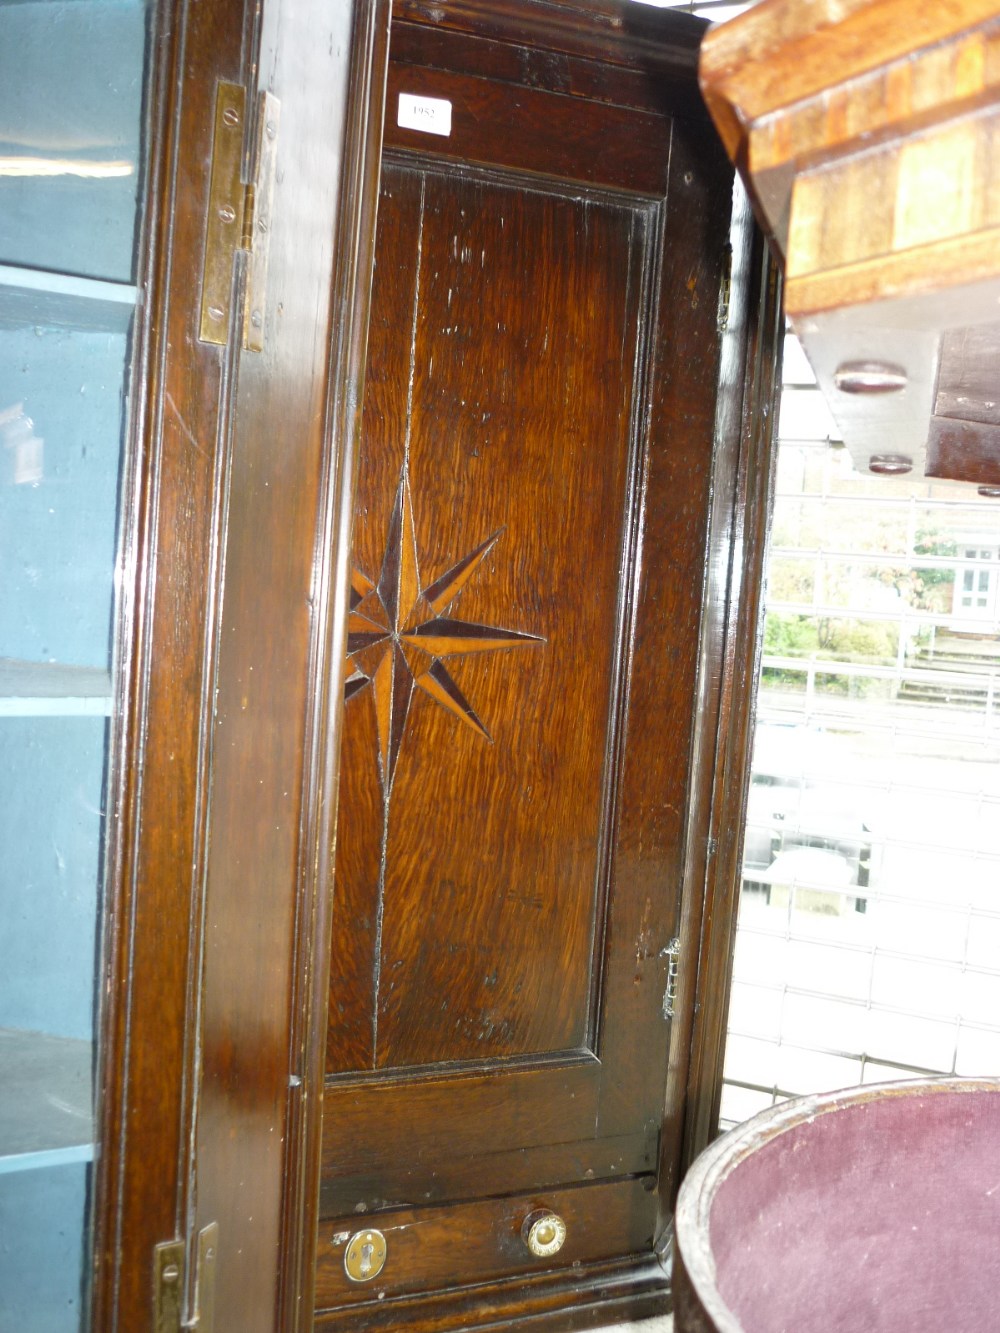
[(544, 1233), (365, 1256)]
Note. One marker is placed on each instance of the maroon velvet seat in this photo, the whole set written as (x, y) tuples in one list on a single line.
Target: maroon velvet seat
[(873, 1210)]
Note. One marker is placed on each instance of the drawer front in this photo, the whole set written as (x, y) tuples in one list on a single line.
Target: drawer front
[(457, 1244)]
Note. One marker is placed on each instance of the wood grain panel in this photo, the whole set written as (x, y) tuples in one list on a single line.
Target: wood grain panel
[(423, 1245), (770, 57), (477, 930), (451, 1116), (437, 1180), (967, 388), (501, 55), (963, 451), (880, 202), (356, 911), (896, 99), (667, 593), (539, 131), (505, 384), (549, 476)]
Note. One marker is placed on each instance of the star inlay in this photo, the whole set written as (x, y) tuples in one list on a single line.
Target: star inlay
[(398, 635)]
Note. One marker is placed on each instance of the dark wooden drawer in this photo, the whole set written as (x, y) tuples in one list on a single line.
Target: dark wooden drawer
[(426, 1249)]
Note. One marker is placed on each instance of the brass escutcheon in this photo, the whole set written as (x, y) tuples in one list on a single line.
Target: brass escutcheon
[(365, 1256)]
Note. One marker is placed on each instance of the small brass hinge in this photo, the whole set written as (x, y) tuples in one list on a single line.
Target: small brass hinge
[(725, 289), (168, 1284), (239, 215), (673, 954)]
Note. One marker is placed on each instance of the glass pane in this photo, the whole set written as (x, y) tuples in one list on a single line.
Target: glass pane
[(72, 78), (869, 927), (70, 173)]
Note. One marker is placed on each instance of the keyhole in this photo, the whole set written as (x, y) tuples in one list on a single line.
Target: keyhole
[(365, 1255)]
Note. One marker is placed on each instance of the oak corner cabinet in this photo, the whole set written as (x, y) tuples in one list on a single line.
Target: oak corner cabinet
[(548, 467), (386, 407)]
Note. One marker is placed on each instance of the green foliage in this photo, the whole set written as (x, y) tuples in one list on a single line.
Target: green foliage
[(871, 641), (843, 640), (789, 636), (928, 541)]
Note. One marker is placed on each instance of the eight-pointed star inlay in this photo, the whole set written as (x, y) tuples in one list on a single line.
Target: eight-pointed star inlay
[(397, 635)]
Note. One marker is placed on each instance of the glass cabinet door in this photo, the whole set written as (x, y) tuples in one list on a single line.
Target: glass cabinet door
[(71, 108)]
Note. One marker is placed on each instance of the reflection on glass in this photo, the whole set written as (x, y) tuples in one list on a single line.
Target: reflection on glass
[(869, 923), (72, 75)]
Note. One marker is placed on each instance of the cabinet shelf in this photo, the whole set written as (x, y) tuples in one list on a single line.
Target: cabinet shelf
[(31, 296), (51, 689), (46, 1116)]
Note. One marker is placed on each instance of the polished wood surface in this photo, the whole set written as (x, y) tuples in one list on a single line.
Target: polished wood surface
[(485, 456), (353, 259), (732, 629), (867, 137), (275, 465), (145, 1105), (233, 460), (530, 537), (426, 1246), (550, 770)]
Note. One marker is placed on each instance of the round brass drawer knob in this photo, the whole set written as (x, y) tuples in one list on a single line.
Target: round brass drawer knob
[(365, 1256), (544, 1233)]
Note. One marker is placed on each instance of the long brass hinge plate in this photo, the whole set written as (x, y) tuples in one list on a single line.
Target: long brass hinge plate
[(239, 216), (225, 213), (673, 955)]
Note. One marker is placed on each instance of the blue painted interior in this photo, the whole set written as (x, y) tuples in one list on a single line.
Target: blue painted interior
[(72, 74), (42, 1217), (51, 777), (63, 389)]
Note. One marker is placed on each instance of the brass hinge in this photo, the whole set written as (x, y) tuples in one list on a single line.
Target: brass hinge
[(673, 954), (168, 1284), (725, 289), (239, 215)]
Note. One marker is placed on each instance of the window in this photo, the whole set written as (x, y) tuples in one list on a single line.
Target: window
[(868, 945)]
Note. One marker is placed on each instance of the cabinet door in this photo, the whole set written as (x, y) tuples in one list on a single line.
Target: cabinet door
[(528, 567), (232, 470)]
